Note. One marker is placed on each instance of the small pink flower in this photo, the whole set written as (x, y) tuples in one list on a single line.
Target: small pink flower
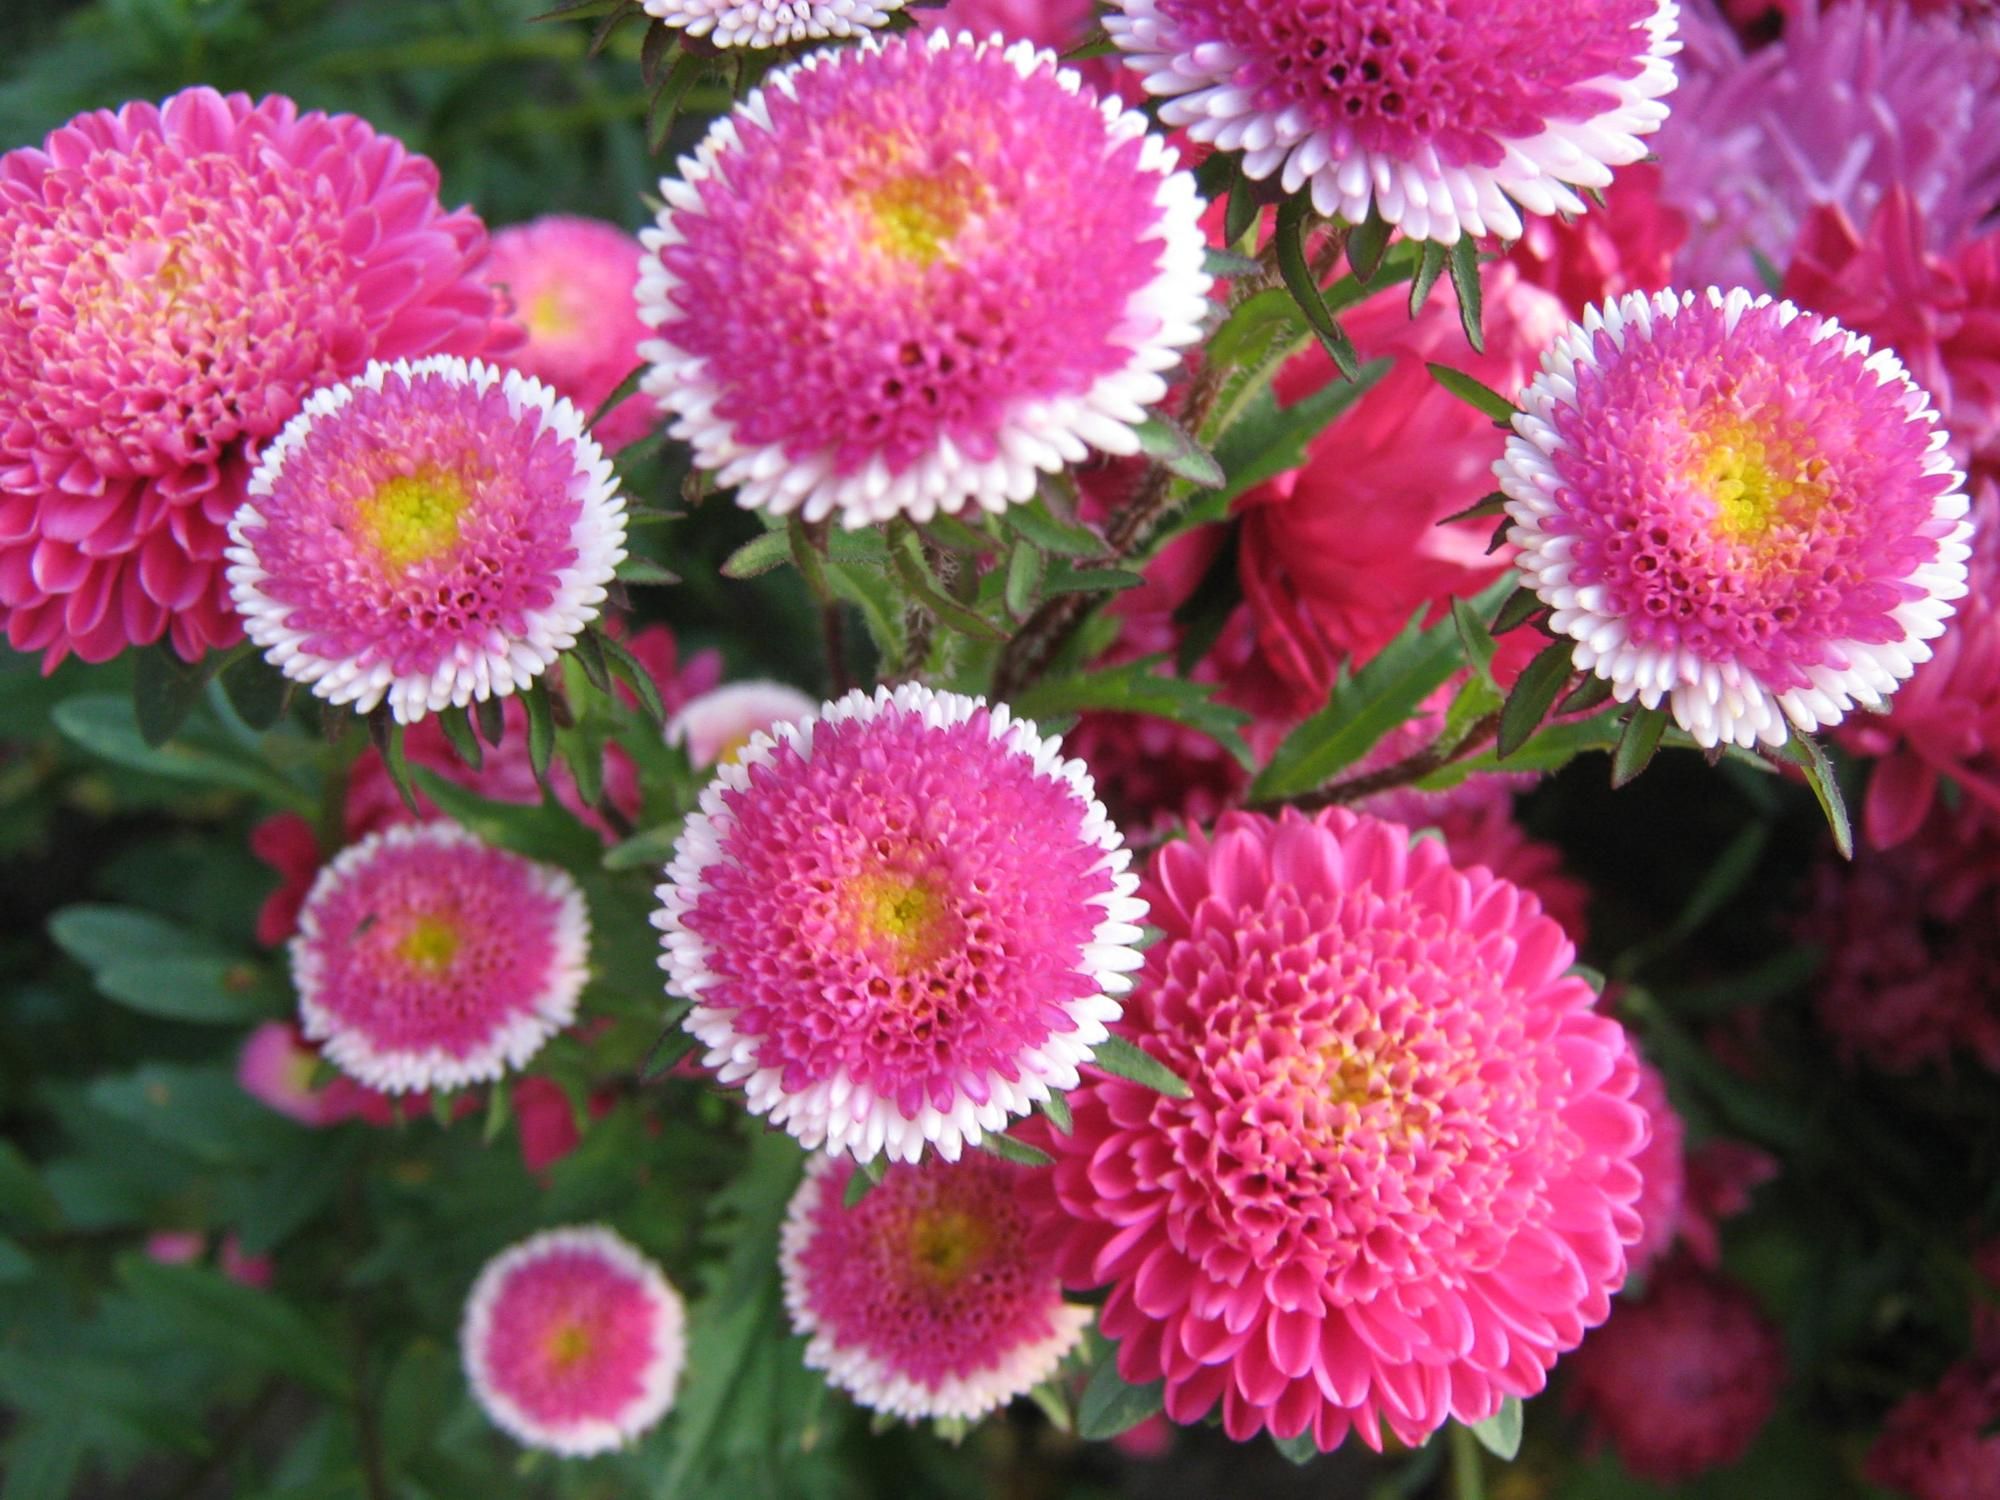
[(1940, 1444), (1683, 1380), (250, 1270), (570, 284), (174, 280), (1277, 1243), (573, 1342), (929, 1297), (276, 1068), (176, 1247), (717, 726)]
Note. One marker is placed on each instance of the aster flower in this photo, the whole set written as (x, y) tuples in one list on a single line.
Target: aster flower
[(426, 960), (1334, 994), (772, 23), (901, 922), (929, 1297), (1940, 1444), (867, 291), (1662, 1172), (716, 726), (431, 534), (1737, 508), (573, 1341), (1446, 121), (276, 1068), (174, 280), (1625, 245), (570, 282), (1852, 101), (1682, 1381)]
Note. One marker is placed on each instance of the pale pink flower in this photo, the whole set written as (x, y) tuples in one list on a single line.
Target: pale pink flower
[(716, 726)]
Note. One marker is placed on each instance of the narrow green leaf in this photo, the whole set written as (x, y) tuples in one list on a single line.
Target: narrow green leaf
[(675, 1042), (1474, 393), (953, 535), (1300, 1450), (1637, 745), (491, 714), (1122, 1059), (541, 830), (256, 690), (1465, 282), (1061, 578), (1162, 438), (774, 549), (1267, 439), (444, 1108), (1019, 1152), (1033, 522), (1586, 695), (1138, 687), (858, 1184), (1474, 637), (1533, 695), (1366, 244), (665, 104), (620, 394), (646, 849), (457, 726), (165, 690), (1227, 265), (105, 725), (1806, 752), (1239, 216), (1205, 613), (388, 737), (1025, 568), (1056, 1107), (1299, 281), (643, 572), (1429, 268), (629, 670), (1500, 1434), (1519, 607), (907, 556), (1110, 1406), (1494, 504), (496, 1112), (541, 730), (252, 1328)]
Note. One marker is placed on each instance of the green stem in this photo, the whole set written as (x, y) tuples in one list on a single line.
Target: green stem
[(1468, 1473)]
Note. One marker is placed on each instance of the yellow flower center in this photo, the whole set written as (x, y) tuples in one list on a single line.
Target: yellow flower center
[(567, 1344), (945, 1244), (414, 518), (550, 315), (917, 217), (430, 945), (1755, 483), (906, 914)]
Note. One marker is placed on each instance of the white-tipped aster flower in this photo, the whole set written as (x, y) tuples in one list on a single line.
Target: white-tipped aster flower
[(902, 922), (772, 23), (905, 276), (1447, 117), (1735, 506), (429, 534)]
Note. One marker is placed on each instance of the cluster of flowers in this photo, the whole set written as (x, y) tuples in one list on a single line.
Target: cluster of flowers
[(1359, 1153)]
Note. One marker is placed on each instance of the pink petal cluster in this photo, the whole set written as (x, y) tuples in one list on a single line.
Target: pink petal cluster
[(1662, 1172), (1626, 245), (1682, 1380), (1941, 1444), (1405, 1178), (570, 285), (174, 280), (1338, 555)]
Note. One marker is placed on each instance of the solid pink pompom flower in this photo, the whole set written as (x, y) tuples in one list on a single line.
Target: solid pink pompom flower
[(902, 922), (427, 960), (1403, 1182), (573, 1341), (869, 292), (1682, 1381), (1444, 117), (772, 23), (571, 283), (1735, 507), (174, 280), (929, 1297), (432, 534)]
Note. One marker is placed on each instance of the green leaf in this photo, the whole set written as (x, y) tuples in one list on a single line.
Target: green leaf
[(1136, 687), (457, 726), (1586, 695), (1110, 1406), (774, 549), (1266, 439), (1033, 523), (906, 554), (620, 394), (1007, 1148), (418, 1397), (257, 690), (646, 849), (100, 936), (1383, 694), (1494, 504), (1500, 1434), (542, 830), (1476, 394), (874, 593), (1061, 578), (1026, 566), (1163, 439), (251, 1328), (25, 1199), (1464, 260), (675, 1042), (491, 716), (165, 690), (629, 670), (1239, 215), (149, 964), (1056, 1107), (643, 572), (1534, 694), (1227, 265), (1123, 1059), (1521, 606), (1300, 1450), (104, 725), (1805, 752), (44, 1459), (1366, 244), (1299, 281), (1429, 268), (858, 1184), (1556, 746), (1637, 745), (388, 737), (1474, 637), (541, 730)]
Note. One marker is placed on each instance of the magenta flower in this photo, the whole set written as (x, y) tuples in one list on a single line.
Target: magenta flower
[(930, 1296), (174, 280), (1405, 1179), (866, 290), (432, 534), (1663, 1171), (1736, 508), (426, 960), (902, 922), (1441, 118), (573, 1342), (1940, 1444), (570, 283)]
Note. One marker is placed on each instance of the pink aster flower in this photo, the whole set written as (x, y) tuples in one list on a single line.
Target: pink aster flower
[(1662, 1172), (1682, 1381), (1850, 103), (1056, 24), (571, 283), (426, 960), (174, 280), (772, 23), (430, 534), (1441, 118), (276, 1068), (930, 1297), (716, 726), (1737, 508), (1941, 1444), (868, 293), (1945, 723), (176, 1247), (902, 922), (1404, 1181), (1940, 312), (573, 1341), (1627, 245)]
